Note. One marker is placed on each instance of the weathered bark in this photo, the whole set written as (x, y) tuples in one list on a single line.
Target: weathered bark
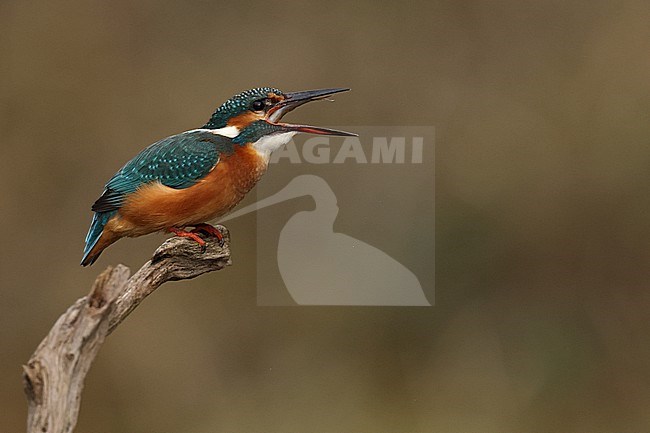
[(53, 377)]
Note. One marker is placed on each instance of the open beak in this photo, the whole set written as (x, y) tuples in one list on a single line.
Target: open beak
[(296, 99)]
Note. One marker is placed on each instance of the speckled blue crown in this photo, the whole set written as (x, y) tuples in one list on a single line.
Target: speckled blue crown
[(237, 105)]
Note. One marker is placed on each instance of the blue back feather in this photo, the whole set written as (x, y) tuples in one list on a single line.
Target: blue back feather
[(178, 162)]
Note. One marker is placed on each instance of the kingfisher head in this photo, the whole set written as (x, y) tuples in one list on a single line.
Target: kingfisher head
[(253, 117)]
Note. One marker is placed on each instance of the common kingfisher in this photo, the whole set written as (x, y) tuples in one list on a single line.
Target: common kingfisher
[(193, 177)]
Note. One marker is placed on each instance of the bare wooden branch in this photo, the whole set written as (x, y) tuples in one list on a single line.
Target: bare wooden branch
[(53, 378)]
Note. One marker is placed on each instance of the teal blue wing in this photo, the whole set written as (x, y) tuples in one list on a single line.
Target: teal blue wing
[(178, 162)]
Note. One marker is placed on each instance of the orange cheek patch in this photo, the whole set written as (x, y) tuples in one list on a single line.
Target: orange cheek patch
[(244, 119)]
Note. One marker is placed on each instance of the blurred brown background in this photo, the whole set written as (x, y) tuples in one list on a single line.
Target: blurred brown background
[(541, 320)]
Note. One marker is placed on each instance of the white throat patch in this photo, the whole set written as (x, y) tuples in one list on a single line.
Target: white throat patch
[(269, 143)]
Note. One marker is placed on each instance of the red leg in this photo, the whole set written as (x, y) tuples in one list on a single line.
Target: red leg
[(184, 234), (208, 230)]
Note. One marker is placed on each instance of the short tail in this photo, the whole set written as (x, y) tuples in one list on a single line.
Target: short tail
[(96, 240)]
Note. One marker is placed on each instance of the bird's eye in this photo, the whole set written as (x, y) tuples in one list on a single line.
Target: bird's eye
[(259, 105)]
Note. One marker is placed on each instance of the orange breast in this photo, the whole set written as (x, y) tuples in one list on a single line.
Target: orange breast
[(156, 207)]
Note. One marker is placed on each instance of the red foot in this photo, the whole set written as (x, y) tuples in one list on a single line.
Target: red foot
[(182, 233), (209, 230)]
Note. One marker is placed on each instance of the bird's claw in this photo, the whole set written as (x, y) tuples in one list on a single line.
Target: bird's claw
[(210, 231), (191, 235), (206, 229)]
